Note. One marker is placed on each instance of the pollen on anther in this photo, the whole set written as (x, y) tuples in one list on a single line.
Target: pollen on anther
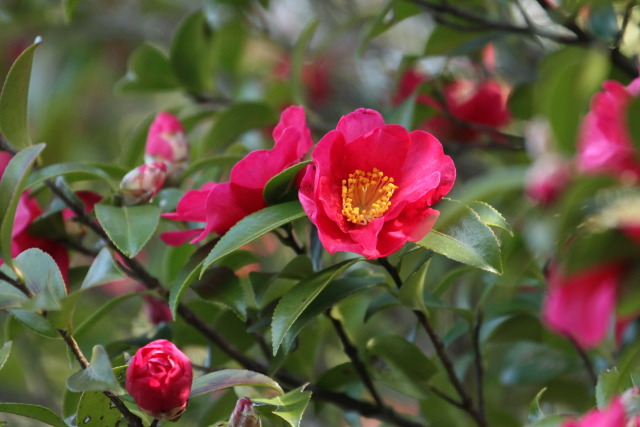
[(365, 195)]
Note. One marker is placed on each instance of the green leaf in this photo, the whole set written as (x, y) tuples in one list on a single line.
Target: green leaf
[(221, 285), (568, 79), (96, 410), (336, 291), (11, 187), (633, 121), (98, 376), (446, 40), (607, 387), (396, 10), (128, 227), (227, 378), (35, 322), (239, 118), (297, 62), (467, 240), (192, 56), (490, 216), (103, 270), (148, 69), (72, 171), (411, 294), (9, 295), (293, 304), (399, 364), (291, 406), (253, 226), (35, 412), (535, 411), (104, 309), (277, 188), (14, 98), (42, 276), (5, 351), (69, 8)]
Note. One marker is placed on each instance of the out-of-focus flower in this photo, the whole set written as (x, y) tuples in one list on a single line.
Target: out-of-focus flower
[(315, 75), (157, 310), (612, 416), (167, 143), (227, 203), (622, 214), (604, 142), (472, 111), (244, 414), (159, 380), (371, 186), (27, 212), (582, 305), (141, 184)]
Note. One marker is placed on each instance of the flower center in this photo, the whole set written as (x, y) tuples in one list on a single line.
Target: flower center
[(366, 196)]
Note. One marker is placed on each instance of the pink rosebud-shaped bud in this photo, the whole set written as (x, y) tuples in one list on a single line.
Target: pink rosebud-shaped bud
[(167, 143), (244, 415), (142, 183), (159, 380)]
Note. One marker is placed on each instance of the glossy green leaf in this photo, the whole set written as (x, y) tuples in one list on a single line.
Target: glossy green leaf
[(14, 99), (191, 55), (334, 292), (35, 322), (235, 120), (297, 62), (98, 376), (490, 215), (227, 378), (11, 187), (103, 270), (10, 296), (467, 240), (399, 364), (535, 411), (224, 162), (35, 412), (290, 406), (293, 304), (69, 8), (607, 387), (411, 294), (96, 410), (282, 184), (72, 172), (148, 69), (42, 276), (222, 286), (5, 351), (253, 226), (128, 227)]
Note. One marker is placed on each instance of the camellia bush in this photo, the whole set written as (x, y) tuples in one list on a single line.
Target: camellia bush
[(320, 213)]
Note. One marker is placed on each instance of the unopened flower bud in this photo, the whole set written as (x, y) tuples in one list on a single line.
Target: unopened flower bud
[(167, 143), (142, 183), (244, 415), (159, 380)]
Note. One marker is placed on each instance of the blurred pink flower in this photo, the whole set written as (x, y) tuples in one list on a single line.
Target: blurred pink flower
[(141, 184), (604, 143), (222, 205), (582, 305), (167, 143), (612, 416), (27, 212), (371, 186), (547, 178)]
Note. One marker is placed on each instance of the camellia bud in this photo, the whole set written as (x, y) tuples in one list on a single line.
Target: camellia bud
[(142, 183), (167, 143), (159, 380), (244, 415)]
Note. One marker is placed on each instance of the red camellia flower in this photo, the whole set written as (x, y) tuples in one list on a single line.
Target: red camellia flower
[(604, 143), (222, 205), (612, 416), (159, 380), (167, 143), (371, 186), (27, 212), (582, 305)]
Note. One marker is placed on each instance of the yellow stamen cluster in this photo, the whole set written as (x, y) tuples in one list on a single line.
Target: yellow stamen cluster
[(366, 196)]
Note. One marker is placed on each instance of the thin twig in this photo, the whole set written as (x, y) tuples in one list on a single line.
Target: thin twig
[(625, 22), (446, 397), (393, 272), (478, 364), (586, 361), (352, 352), (17, 284), (132, 419)]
